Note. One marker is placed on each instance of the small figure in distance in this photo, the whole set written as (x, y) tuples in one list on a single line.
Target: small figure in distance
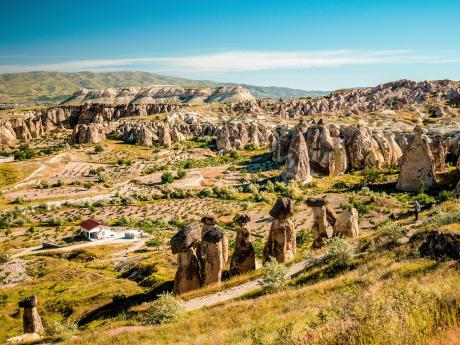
[(416, 210)]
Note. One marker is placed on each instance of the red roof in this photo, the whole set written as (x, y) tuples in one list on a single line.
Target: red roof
[(90, 224)]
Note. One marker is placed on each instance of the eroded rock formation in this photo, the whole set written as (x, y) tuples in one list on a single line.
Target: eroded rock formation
[(324, 220), (185, 244), (281, 243), (347, 223), (243, 258), (213, 251), (417, 164), (297, 165), (32, 321)]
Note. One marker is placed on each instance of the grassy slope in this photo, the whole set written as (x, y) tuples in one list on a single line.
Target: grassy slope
[(389, 296), (29, 86)]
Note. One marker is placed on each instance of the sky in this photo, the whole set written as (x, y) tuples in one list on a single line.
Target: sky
[(311, 45)]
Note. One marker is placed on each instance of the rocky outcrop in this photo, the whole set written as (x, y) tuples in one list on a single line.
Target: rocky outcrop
[(32, 322), (327, 153), (185, 244), (159, 95), (93, 133), (347, 223), (439, 244), (363, 151), (324, 220), (281, 242), (417, 164), (438, 148), (235, 136), (297, 166), (213, 251), (243, 258)]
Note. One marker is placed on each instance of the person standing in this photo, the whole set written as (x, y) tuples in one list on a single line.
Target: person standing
[(416, 210)]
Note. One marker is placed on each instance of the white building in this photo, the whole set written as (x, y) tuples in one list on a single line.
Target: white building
[(96, 230)]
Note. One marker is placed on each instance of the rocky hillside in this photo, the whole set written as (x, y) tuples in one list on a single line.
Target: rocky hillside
[(159, 95), (397, 95), (57, 86)]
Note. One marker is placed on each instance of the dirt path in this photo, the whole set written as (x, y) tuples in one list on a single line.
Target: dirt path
[(237, 291), (36, 250)]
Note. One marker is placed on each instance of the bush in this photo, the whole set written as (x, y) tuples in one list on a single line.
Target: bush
[(153, 243), (167, 177), (181, 173), (338, 252), (4, 258), (98, 149), (250, 147), (58, 330), (164, 310), (87, 185), (393, 232), (274, 277)]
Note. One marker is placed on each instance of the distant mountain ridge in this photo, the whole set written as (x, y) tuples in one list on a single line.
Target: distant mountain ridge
[(55, 87)]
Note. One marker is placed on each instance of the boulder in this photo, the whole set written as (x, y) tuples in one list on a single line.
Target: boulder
[(281, 243), (417, 165), (324, 220), (439, 244), (243, 258), (213, 251), (297, 165), (347, 223)]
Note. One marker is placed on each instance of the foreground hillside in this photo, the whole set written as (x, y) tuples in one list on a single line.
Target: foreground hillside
[(29, 87)]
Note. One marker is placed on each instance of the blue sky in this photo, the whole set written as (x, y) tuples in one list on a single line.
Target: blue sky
[(302, 44)]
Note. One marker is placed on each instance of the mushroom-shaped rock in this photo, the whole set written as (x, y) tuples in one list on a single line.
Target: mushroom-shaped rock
[(32, 322), (417, 165), (213, 251), (243, 258), (347, 223), (281, 243), (185, 243), (297, 166), (324, 220)]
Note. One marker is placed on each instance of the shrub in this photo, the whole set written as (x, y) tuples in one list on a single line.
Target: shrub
[(102, 177), (303, 237), (167, 177), (274, 277), (393, 232), (4, 258), (181, 173), (87, 185), (164, 310), (338, 252), (225, 192), (360, 207), (19, 200), (58, 330), (153, 243), (250, 147), (98, 149)]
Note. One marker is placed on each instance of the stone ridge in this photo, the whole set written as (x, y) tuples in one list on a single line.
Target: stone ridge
[(159, 94)]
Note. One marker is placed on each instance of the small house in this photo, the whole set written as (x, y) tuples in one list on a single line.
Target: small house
[(96, 230)]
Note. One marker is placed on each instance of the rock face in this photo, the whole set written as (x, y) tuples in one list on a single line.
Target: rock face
[(159, 95), (297, 166), (362, 149), (281, 243), (213, 250), (324, 220), (347, 223), (243, 258), (185, 244), (417, 165), (441, 245), (32, 322)]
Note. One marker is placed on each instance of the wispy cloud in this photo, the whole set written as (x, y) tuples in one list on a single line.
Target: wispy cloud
[(231, 61)]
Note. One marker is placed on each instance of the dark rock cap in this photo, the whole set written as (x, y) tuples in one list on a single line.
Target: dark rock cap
[(209, 220), (316, 202), (185, 238), (29, 302), (283, 208), (242, 219), (213, 235)]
